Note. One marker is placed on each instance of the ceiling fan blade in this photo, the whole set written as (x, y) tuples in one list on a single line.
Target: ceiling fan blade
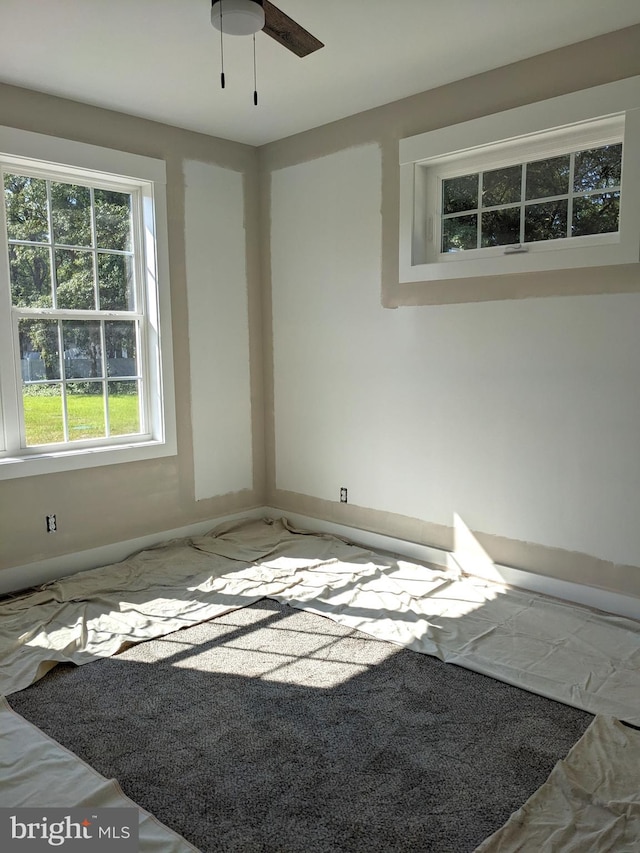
[(287, 32)]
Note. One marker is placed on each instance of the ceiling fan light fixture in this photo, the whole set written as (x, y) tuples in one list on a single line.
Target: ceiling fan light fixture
[(237, 17)]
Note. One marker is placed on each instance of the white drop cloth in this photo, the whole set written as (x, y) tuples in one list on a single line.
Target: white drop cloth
[(563, 651), (37, 771), (589, 804)]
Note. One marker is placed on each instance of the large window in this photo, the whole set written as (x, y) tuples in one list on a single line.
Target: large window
[(81, 285), (553, 185)]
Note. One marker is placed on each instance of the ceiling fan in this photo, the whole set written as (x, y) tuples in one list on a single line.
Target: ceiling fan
[(247, 17)]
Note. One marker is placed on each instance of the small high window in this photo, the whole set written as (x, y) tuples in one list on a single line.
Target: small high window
[(574, 195), (553, 185)]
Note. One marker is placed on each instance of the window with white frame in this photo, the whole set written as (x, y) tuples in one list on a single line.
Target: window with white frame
[(83, 379), (558, 197), (520, 191)]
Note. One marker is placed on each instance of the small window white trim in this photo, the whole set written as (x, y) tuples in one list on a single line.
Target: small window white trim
[(33, 151), (602, 114)]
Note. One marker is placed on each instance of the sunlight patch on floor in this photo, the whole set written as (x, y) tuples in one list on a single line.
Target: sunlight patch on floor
[(314, 660)]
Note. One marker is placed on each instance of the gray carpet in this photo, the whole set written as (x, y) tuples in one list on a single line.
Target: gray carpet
[(273, 730)]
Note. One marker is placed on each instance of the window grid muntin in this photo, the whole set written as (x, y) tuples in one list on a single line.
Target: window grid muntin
[(94, 258)]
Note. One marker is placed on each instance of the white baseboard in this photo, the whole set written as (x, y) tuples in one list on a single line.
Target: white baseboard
[(374, 541), (600, 599), (34, 574)]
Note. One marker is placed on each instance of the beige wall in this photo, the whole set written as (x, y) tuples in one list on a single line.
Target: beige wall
[(109, 504), (519, 416)]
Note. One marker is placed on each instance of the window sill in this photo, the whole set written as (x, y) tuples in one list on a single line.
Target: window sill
[(570, 282), (13, 467), (502, 263)]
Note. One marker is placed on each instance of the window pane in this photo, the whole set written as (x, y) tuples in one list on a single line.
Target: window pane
[(120, 341), (71, 214), (598, 168), (460, 193), (82, 349), (501, 186), (32, 365), (115, 282), (460, 232), (42, 414), (39, 350), (85, 410), (26, 205), (548, 177), (113, 220), (74, 279), (596, 214), (30, 271), (124, 408), (547, 221), (501, 227)]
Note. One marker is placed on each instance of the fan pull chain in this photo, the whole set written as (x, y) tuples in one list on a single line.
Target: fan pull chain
[(221, 50), (255, 84)]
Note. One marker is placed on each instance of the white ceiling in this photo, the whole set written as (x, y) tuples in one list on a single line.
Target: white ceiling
[(160, 59)]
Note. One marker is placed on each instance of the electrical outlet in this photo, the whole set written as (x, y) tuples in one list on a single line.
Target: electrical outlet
[(343, 495), (52, 525)]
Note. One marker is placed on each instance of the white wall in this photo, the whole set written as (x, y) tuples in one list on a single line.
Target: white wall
[(218, 329), (521, 416)]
